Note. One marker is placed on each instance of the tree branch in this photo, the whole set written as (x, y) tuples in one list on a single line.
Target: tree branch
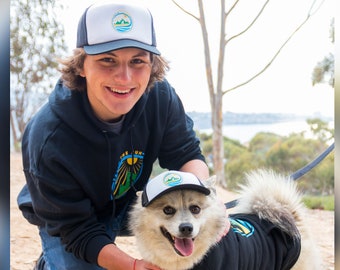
[(232, 7), (250, 25), (279, 50), (208, 67), (185, 11)]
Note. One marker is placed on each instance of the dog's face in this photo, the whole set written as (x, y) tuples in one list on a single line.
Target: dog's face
[(180, 217), (177, 229)]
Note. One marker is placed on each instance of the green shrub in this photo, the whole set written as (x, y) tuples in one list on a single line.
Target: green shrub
[(319, 202)]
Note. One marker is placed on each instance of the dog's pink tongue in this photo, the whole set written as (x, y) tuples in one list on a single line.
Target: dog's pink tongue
[(184, 245)]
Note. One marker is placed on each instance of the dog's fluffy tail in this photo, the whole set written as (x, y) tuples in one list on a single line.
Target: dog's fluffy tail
[(272, 197)]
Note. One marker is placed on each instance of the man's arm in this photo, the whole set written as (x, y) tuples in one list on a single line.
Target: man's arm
[(112, 258), (197, 167)]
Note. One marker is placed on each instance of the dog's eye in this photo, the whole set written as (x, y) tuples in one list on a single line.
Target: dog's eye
[(194, 209), (168, 210)]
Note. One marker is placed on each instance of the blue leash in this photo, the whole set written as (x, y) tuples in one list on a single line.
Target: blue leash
[(311, 165), (296, 175)]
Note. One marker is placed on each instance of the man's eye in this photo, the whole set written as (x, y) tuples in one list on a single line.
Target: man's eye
[(168, 210), (106, 59), (137, 61)]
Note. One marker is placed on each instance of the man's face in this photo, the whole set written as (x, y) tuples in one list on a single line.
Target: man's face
[(116, 80)]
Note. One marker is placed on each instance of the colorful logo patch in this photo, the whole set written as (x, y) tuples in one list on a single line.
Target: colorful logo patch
[(172, 179), (122, 22), (129, 170), (242, 227)]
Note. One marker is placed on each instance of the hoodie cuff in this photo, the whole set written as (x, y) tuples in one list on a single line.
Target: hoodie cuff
[(94, 246)]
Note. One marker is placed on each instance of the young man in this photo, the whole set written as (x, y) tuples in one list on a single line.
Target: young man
[(92, 146)]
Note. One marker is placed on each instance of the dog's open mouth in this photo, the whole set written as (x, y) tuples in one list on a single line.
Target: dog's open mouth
[(183, 246)]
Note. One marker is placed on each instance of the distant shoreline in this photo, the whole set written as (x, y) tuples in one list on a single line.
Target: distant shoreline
[(244, 132), (202, 120)]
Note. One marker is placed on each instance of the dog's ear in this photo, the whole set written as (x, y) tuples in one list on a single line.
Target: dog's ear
[(210, 183), (139, 193)]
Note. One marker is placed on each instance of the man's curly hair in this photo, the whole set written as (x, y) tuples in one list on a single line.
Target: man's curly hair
[(73, 65)]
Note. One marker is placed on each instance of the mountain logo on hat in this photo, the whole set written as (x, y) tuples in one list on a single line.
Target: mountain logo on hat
[(122, 22), (172, 179)]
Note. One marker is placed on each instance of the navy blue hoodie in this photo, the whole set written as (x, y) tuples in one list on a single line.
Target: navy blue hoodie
[(79, 172)]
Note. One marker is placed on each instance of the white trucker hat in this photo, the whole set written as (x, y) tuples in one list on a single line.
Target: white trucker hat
[(112, 25), (169, 181)]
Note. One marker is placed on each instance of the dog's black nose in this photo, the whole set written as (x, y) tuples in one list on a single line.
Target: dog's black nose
[(186, 229)]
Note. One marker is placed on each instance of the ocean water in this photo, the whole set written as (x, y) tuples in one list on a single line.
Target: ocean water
[(244, 133)]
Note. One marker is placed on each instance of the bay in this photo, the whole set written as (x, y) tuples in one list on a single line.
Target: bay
[(245, 132)]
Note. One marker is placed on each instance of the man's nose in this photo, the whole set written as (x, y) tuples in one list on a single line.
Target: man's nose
[(123, 73)]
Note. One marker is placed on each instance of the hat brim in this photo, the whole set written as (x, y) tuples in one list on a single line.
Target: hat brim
[(193, 187), (119, 44)]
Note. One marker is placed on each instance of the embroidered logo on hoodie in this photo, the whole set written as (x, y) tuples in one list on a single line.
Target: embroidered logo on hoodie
[(128, 172)]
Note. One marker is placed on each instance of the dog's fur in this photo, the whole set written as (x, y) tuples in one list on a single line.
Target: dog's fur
[(187, 214)]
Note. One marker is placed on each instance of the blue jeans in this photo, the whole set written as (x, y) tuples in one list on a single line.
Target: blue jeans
[(55, 257)]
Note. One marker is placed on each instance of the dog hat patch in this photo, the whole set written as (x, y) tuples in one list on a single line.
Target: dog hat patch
[(169, 181)]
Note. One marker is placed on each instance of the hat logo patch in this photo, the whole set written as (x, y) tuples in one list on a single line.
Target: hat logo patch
[(172, 179), (122, 22)]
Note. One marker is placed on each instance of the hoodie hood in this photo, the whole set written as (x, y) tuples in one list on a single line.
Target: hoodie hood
[(74, 109)]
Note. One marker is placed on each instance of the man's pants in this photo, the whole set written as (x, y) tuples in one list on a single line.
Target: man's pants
[(55, 257)]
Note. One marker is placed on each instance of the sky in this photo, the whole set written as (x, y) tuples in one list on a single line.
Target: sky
[(284, 88)]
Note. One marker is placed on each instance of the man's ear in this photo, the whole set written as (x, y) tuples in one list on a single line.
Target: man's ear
[(81, 73)]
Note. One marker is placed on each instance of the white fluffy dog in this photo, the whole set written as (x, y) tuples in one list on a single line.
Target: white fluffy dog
[(178, 222)]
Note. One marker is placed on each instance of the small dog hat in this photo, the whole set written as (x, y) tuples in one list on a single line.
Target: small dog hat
[(113, 25), (169, 181)]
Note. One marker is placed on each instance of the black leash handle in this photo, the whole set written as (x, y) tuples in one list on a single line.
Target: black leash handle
[(299, 173)]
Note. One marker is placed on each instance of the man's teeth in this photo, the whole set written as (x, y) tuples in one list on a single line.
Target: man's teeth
[(119, 91)]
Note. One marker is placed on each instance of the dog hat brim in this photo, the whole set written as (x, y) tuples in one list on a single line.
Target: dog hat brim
[(171, 181)]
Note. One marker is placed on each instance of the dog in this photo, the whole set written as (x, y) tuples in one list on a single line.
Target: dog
[(179, 223)]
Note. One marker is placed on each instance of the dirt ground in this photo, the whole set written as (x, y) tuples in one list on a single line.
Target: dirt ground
[(25, 242)]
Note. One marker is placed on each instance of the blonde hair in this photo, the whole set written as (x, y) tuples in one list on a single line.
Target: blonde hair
[(73, 65)]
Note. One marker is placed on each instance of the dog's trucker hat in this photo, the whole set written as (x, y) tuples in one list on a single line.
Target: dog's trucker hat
[(112, 25), (170, 181)]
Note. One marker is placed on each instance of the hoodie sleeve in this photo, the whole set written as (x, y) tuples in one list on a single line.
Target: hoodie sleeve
[(58, 182), (179, 144), (59, 201)]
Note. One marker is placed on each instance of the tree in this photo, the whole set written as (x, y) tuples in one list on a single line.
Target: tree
[(239, 160), (216, 91), (324, 70), (261, 143), (320, 129), (284, 154), (37, 38), (292, 153)]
